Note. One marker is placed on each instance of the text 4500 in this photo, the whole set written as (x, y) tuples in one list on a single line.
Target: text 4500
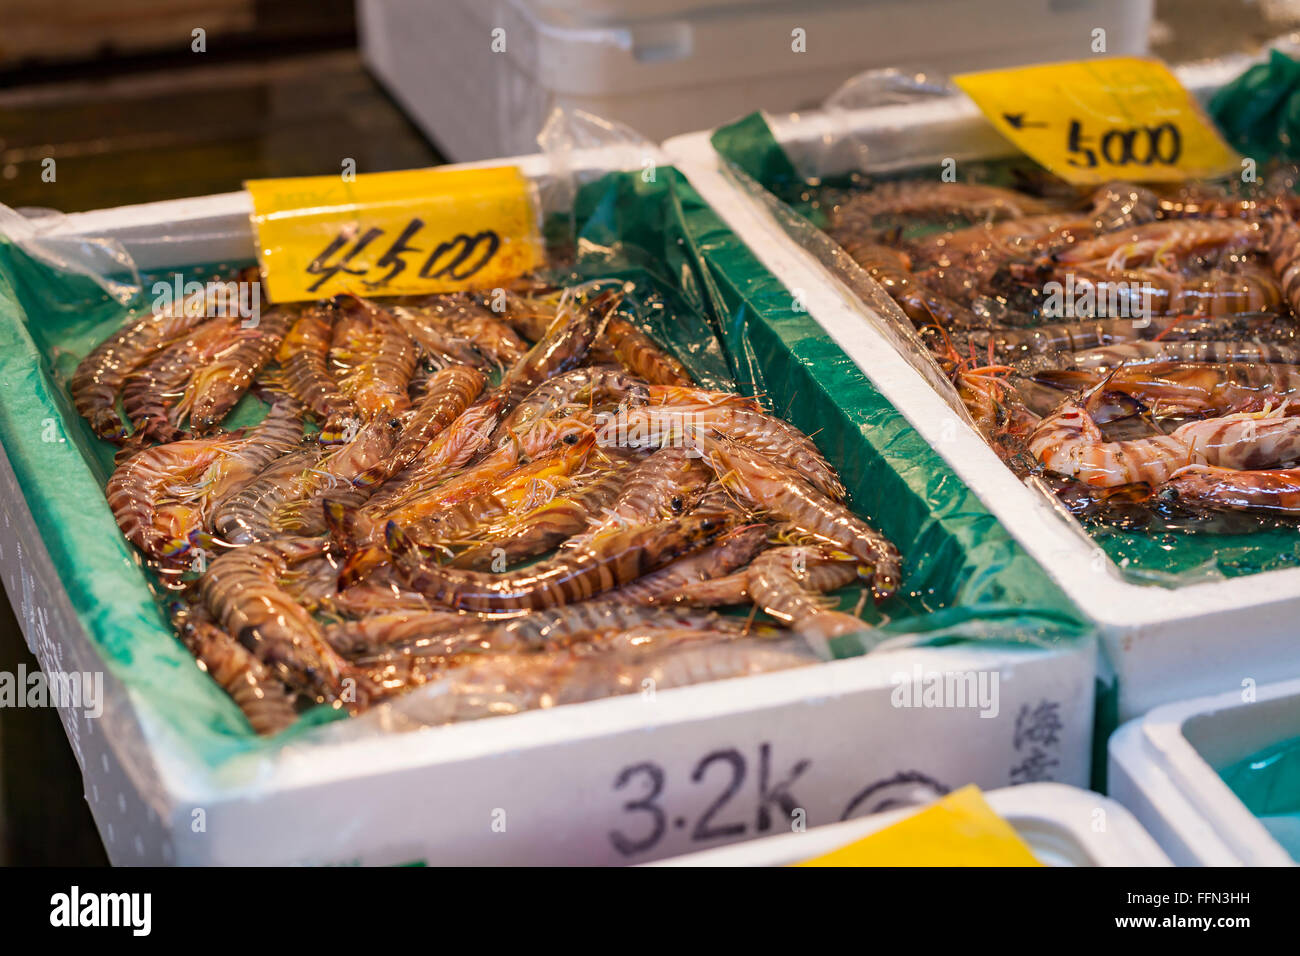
[(458, 258)]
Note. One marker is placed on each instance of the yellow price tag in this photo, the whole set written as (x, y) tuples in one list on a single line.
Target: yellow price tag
[(959, 830), (414, 231), (1091, 121)]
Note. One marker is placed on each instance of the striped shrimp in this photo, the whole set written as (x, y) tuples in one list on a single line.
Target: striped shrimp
[(376, 357), (257, 692), (450, 392), (640, 355), (778, 584), (162, 496), (153, 390), (468, 320), (304, 357), (551, 523), (376, 631), (246, 515), (522, 489), (822, 572), (1068, 442), (937, 200), (359, 531), (892, 269), (1284, 259), (218, 385), (1053, 338), (984, 247), (586, 387), (620, 663), (664, 484), (785, 495), (609, 561), (1163, 243), (1273, 492), (1191, 350), (332, 478), (100, 375), (1189, 388), (562, 347), (241, 590), (728, 554), (438, 343), (772, 437)]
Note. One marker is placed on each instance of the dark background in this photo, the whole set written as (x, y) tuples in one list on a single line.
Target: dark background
[(113, 92)]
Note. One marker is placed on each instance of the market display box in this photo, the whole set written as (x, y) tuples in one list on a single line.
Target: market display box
[(665, 66), (174, 774), (1062, 826), (1213, 779), (1163, 642)]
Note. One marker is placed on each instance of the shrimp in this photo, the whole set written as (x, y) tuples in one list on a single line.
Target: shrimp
[(257, 692), (580, 386), (1069, 443), (435, 340), (640, 355), (215, 388), (665, 587), (99, 376), (783, 493), (304, 357), (393, 627), (1194, 350), (658, 426), (546, 526), (377, 357), (450, 392), (610, 561), (246, 515), (332, 477), (1284, 259), (470, 321), (161, 496), (1188, 388), (892, 271), (1053, 338), (663, 485), (937, 200), (821, 574), (241, 591), (151, 391), (776, 584), (1163, 243), (561, 348), (1275, 492)]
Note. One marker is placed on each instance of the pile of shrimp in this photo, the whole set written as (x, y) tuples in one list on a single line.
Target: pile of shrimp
[(514, 500), (1125, 344)]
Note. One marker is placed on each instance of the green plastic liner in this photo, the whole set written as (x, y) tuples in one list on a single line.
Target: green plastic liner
[(1168, 558), (1268, 783), (698, 287), (1259, 112)]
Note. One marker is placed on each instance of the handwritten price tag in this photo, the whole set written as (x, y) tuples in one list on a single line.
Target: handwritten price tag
[(414, 231), (1094, 120)]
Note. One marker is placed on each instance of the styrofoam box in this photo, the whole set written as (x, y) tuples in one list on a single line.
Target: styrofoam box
[(1162, 769), (1063, 826), (668, 66), (612, 781), (1165, 644)]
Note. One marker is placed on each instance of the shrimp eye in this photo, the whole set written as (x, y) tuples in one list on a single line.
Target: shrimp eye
[(394, 423), (570, 439), (676, 503)]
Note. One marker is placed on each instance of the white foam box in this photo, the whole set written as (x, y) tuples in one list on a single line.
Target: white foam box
[(1062, 825), (1162, 767), (1164, 643), (668, 66), (614, 781)]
